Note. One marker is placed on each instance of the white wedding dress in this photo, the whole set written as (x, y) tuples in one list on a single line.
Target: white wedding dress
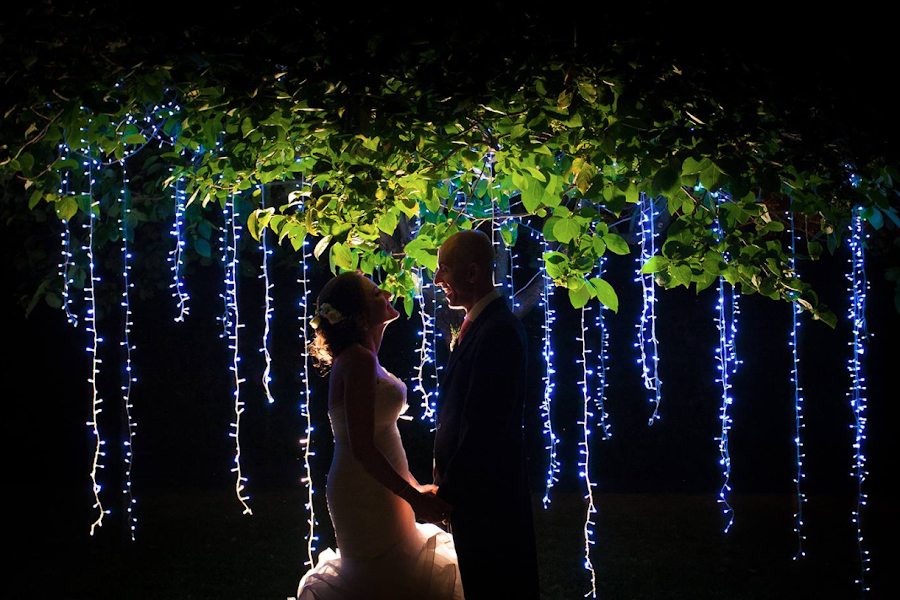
[(382, 551)]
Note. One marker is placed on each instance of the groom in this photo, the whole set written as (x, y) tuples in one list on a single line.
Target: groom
[(479, 450)]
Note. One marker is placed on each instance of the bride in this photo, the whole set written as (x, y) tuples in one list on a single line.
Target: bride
[(372, 497)]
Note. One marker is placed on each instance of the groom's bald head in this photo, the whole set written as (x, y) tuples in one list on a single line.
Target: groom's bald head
[(466, 248), (465, 268)]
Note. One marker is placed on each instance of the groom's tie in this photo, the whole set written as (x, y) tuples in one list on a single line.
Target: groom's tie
[(462, 331)]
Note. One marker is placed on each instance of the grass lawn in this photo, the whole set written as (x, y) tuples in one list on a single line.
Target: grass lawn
[(196, 544)]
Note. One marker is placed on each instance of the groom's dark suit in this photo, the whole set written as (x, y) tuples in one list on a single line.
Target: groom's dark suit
[(479, 455)]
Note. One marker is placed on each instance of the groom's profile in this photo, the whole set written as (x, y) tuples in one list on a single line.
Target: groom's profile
[(479, 450)]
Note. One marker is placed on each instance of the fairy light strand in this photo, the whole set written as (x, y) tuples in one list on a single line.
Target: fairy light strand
[(176, 255), (798, 401), (66, 241), (91, 318), (306, 441), (549, 384), (584, 464), (233, 326), (602, 366), (725, 368), (646, 327), (128, 347), (857, 394), (266, 253), (426, 353)]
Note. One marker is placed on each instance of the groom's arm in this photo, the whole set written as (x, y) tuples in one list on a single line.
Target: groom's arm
[(491, 403)]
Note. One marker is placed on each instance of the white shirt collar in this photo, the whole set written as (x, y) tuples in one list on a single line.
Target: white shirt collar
[(481, 304)]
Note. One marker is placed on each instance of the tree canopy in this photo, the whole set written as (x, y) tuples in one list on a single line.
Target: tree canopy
[(379, 146)]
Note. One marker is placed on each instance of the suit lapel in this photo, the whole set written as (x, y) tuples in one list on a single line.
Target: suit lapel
[(469, 339)]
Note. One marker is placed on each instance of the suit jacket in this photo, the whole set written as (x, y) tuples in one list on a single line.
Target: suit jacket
[(479, 456), (479, 442)]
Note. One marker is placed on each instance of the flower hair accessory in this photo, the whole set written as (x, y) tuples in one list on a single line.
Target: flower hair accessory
[(329, 312)]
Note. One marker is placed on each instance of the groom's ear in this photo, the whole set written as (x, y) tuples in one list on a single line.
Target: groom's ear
[(473, 273)]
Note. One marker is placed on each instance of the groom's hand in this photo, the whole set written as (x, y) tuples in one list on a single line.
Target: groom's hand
[(431, 508), (429, 488)]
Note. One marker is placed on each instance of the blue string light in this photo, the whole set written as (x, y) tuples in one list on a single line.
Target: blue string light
[(724, 356), (233, 325), (798, 400), (176, 255), (602, 367), (646, 327), (549, 384), (128, 347), (66, 239), (305, 442), (266, 253), (857, 394)]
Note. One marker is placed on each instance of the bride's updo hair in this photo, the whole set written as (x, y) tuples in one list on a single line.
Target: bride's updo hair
[(345, 295)]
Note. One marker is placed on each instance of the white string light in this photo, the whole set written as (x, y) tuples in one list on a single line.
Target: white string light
[(798, 400), (266, 253), (127, 345), (176, 255), (857, 394), (91, 297), (585, 463), (305, 443), (233, 325), (549, 384), (646, 327), (426, 354)]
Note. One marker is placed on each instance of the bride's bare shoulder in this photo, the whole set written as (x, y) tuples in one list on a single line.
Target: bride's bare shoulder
[(354, 359)]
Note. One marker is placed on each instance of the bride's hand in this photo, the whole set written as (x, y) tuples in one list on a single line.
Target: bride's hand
[(429, 507), (429, 488)]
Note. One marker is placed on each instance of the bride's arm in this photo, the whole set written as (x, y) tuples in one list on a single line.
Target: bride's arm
[(358, 371)]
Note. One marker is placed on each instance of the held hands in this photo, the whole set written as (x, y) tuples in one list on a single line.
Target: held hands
[(426, 504)]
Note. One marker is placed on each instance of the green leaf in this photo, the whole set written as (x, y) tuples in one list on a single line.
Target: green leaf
[(388, 222), (532, 195), (321, 246), (655, 264), (588, 92), (681, 274), (202, 248), (579, 295), (705, 280), (135, 139), (584, 177), (599, 245), (712, 177), (606, 294), (556, 263), (36, 196), (815, 250), (826, 316), (66, 208), (873, 216), (770, 227), (408, 304), (691, 166), (566, 229), (26, 161), (616, 244), (342, 255)]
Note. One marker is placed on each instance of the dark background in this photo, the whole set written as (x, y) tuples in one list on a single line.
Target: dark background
[(657, 484)]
